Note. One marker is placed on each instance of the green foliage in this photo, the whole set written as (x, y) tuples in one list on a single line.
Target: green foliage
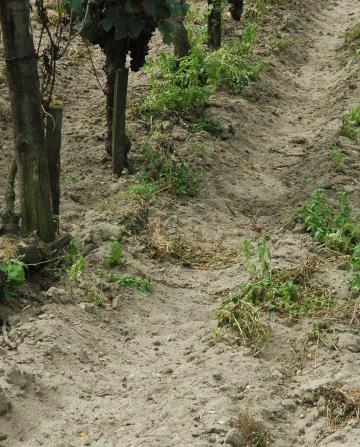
[(145, 188), (76, 259), (336, 228), (177, 86), (330, 225), (184, 86), (143, 285), (14, 271), (77, 268), (75, 249), (204, 123), (115, 256), (351, 124)]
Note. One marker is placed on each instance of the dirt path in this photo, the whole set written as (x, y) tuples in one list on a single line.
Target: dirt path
[(150, 373)]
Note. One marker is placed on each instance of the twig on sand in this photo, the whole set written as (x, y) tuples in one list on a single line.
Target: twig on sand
[(4, 330)]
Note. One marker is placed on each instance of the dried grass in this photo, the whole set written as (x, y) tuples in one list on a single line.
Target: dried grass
[(161, 244), (253, 432), (341, 406)]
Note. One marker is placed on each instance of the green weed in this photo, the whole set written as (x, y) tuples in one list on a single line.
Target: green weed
[(288, 24), (142, 189), (207, 124), (143, 285), (77, 268), (115, 256), (14, 271), (336, 228), (76, 258), (351, 124), (352, 37), (336, 156), (330, 225)]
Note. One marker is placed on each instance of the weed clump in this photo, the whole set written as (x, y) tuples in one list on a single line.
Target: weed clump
[(351, 124), (330, 225), (335, 227), (286, 291), (246, 319), (143, 285), (184, 86), (115, 256)]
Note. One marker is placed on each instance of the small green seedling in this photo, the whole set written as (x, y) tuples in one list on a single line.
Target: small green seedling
[(336, 156), (115, 256)]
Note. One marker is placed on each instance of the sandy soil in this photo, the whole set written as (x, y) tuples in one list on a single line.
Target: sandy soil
[(147, 370)]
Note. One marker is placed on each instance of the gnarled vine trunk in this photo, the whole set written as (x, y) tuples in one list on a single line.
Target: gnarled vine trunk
[(31, 157), (236, 9)]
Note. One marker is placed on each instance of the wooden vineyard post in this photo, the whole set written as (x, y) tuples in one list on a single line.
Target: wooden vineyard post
[(214, 24), (53, 146), (118, 124)]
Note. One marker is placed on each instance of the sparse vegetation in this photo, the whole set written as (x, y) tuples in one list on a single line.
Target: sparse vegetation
[(351, 124), (287, 291), (320, 335), (336, 156), (246, 319), (143, 285), (281, 43), (76, 260), (253, 432), (352, 37)]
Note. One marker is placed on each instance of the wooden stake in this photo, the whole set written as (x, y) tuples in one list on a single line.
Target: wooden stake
[(214, 24), (118, 124), (53, 146)]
